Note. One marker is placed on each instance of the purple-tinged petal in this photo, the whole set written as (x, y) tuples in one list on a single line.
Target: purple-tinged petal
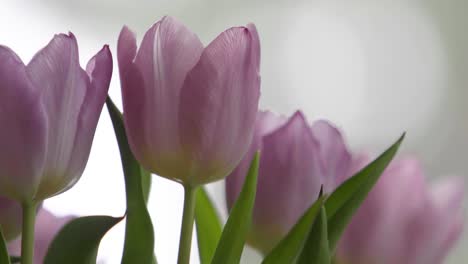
[(401, 221), (151, 92), (126, 50), (335, 154), (99, 70), (289, 181), (266, 123), (63, 85), (23, 135), (47, 226), (219, 102)]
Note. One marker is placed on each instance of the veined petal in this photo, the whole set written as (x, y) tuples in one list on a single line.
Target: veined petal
[(219, 102), (335, 155), (266, 123), (99, 70), (56, 72), (23, 135), (167, 53), (126, 50), (289, 179)]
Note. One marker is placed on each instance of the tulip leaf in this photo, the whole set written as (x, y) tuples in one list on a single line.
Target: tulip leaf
[(139, 234), (316, 249), (208, 226), (346, 199), (78, 241), (231, 243), (4, 257), (290, 247)]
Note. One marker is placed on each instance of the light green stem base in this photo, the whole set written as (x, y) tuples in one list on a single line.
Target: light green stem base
[(27, 239), (185, 242)]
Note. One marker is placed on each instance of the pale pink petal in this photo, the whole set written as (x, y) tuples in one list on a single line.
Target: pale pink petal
[(151, 94), (266, 123), (99, 70), (23, 135), (126, 50), (218, 107), (55, 70), (289, 180), (334, 152)]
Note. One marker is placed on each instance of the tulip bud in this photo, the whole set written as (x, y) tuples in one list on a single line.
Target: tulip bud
[(403, 220), (47, 227), (189, 111), (296, 160), (49, 112)]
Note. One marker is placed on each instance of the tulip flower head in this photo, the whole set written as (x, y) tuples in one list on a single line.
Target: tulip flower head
[(189, 110), (49, 111), (296, 160), (403, 220)]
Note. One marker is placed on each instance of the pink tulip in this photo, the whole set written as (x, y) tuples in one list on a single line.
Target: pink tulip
[(47, 226), (403, 220), (49, 111), (189, 111), (295, 161)]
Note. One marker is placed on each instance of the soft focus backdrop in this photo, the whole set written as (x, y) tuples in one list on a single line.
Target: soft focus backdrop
[(375, 68)]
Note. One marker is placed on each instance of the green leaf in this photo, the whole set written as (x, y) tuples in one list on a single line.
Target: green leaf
[(346, 199), (4, 257), (139, 234), (208, 226), (78, 241), (317, 249), (290, 247), (235, 231)]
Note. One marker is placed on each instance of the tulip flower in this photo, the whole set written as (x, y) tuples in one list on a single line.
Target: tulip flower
[(403, 220), (47, 226), (189, 111), (49, 111), (296, 160)]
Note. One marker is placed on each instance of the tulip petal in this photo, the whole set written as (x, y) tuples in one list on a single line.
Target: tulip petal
[(126, 50), (151, 93), (99, 70), (291, 152), (23, 134), (266, 123), (335, 154), (55, 70), (10, 218), (219, 101)]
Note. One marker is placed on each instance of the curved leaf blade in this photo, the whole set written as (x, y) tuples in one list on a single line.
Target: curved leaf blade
[(139, 233), (78, 241), (208, 226), (346, 199), (290, 247), (4, 257), (317, 249), (231, 243)]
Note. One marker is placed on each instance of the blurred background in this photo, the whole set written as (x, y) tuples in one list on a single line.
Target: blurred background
[(374, 68)]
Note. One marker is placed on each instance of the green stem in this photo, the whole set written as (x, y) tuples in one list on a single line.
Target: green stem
[(185, 241), (27, 239)]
